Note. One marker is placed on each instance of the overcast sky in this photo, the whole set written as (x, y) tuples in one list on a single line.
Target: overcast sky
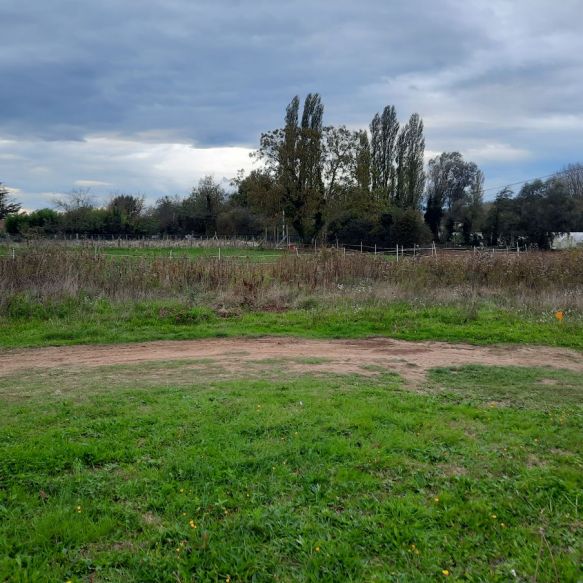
[(147, 96)]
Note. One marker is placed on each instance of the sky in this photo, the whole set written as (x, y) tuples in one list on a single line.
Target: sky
[(147, 96)]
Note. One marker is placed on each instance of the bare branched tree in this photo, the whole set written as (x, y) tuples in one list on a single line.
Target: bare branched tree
[(79, 198), (572, 177)]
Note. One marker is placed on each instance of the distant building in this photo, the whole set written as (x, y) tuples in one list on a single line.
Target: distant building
[(568, 240)]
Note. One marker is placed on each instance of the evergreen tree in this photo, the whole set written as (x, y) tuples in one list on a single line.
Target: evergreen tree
[(7, 205)]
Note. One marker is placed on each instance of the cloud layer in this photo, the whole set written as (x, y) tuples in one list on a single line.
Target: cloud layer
[(149, 95)]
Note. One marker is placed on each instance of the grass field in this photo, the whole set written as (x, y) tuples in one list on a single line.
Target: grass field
[(29, 324), (270, 470), (188, 472), (254, 254), (251, 253)]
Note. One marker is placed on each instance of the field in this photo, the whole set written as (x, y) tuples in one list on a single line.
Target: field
[(185, 419), (135, 251), (195, 252)]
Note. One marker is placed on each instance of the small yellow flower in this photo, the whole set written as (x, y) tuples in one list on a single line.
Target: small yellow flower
[(494, 516), (436, 499), (181, 490), (502, 525), (192, 524), (228, 579), (317, 549), (445, 572)]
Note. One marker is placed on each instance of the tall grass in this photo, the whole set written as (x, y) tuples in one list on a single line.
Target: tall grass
[(52, 273)]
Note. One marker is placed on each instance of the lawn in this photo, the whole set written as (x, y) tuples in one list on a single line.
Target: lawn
[(188, 472), (84, 321)]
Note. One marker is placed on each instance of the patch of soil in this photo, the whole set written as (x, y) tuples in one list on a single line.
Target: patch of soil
[(409, 359)]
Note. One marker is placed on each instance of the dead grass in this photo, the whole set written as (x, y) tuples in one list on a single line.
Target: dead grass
[(534, 279)]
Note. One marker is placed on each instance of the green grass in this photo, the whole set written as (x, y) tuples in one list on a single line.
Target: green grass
[(328, 478), (505, 386), (255, 254), (85, 321), (232, 253)]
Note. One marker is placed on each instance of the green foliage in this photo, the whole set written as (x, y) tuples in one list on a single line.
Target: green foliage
[(293, 157), (410, 173), (454, 197), (388, 228), (16, 224), (535, 215)]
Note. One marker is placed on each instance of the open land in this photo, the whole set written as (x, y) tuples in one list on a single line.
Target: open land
[(393, 429)]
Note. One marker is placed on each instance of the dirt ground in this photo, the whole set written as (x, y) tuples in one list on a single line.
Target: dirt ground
[(409, 359)]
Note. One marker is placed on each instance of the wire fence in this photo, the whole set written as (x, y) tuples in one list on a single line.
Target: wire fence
[(222, 249)]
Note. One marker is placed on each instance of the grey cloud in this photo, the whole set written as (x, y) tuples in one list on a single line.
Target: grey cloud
[(500, 77)]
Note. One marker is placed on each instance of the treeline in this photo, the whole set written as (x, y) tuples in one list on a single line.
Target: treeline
[(207, 211), (327, 183)]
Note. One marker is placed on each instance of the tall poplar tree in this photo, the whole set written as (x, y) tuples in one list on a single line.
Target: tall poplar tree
[(389, 132), (362, 162), (384, 129)]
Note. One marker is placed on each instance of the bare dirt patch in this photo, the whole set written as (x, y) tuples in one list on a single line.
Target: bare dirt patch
[(411, 360)]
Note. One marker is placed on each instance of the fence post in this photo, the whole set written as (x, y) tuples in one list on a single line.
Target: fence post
[(13, 253), (397, 252), (361, 246), (344, 249), (375, 249), (219, 253)]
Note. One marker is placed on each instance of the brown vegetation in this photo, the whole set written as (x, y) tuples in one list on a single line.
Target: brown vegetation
[(47, 273)]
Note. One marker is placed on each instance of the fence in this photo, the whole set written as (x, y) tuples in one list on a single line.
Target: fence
[(178, 248)]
